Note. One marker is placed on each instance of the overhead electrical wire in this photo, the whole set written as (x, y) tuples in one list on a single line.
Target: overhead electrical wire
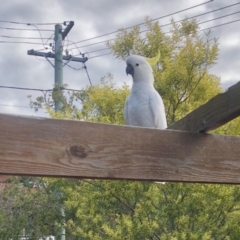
[(208, 28), (210, 20), (77, 69), (22, 23), (100, 55), (3, 36), (91, 44), (9, 105), (98, 50), (202, 14), (227, 15), (31, 89), (39, 33), (213, 19), (85, 67), (139, 24), (163, 25), (199, 15), (168, 24), (77, 47), (219, 25), (26, 29), (38, 89), (74, 43), (21, 42), (34, 43)]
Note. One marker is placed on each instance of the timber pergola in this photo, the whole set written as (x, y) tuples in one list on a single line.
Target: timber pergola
[(185, 152)]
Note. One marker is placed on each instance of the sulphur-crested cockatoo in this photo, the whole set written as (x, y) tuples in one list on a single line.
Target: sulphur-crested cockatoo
[(144, 106)]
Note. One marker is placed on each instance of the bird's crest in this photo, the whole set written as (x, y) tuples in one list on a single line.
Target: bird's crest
[(153, 61)]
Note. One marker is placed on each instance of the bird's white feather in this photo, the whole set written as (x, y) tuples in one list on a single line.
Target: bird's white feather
[(144, 106), (157, 107)]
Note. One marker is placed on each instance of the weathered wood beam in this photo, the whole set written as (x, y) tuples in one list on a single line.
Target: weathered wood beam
[(219, 110), (63, 148)]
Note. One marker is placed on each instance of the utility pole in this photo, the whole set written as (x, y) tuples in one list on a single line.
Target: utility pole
[(59, 36), (58, 65)]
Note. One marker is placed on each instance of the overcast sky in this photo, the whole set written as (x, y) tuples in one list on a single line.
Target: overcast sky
[(93, 18)]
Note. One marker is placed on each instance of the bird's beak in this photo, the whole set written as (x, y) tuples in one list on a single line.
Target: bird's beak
[(129, 69)]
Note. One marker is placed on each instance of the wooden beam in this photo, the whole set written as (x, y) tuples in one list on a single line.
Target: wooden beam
[(219, 110), (63, 148)]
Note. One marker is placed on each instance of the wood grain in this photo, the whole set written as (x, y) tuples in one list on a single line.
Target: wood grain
[(63, 148), (219, 110)]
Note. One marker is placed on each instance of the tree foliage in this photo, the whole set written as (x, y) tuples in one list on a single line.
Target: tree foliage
[(143, 210), (28, 208), (103, 102), (182, 77)]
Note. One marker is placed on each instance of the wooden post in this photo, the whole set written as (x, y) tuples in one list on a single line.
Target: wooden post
[(219, 110), (64, 148)]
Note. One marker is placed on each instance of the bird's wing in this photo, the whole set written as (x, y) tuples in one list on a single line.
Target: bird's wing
[(158, 110), (126, 112)]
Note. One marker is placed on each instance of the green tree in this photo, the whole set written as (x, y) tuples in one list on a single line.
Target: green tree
[(103, 102), (142, 210), (182, 77), (28, 208)]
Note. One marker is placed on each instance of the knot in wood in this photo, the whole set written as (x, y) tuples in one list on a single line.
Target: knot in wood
[(78, 151)]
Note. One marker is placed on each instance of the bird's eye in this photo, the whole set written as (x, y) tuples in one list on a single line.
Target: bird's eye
[(137, 64)]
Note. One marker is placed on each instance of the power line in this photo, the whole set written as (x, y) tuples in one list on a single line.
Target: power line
[(77, 69), (195, 16), (85, 67), (227, 15), (219, 17), (39, 34), (25, 29), (102, 49), (99, 50), (21, 42), (202, 14), (213, 19), (22, 23), (91, 44), (73, 90), (21, 37), (38, 89), (100, 55), (74, 43), (139, 24), (51, 37), (164, 25), (219, 25), (77, 47), (27, 89), (8, 105), (223, 24)]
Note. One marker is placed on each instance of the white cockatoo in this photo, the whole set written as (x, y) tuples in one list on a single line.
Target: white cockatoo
[(144, 106)]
